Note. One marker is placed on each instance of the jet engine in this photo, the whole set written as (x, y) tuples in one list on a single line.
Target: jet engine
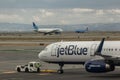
[(99, 66)]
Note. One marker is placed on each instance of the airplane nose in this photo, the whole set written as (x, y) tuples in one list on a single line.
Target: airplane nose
[(40, 55)]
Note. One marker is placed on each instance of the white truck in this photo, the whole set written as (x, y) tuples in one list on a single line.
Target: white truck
[(30, 67)]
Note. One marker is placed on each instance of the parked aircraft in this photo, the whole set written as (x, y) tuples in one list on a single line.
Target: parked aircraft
[(46, 31), (82, 31), (96, 56)]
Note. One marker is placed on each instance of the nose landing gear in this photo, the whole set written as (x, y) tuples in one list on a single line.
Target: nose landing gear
[(60, 71)]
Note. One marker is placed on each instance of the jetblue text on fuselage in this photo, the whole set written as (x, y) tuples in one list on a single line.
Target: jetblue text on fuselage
[(71, 50)]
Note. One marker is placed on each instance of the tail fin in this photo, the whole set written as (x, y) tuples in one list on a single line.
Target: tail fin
[(98, 52), (87, 29), (34, 26)]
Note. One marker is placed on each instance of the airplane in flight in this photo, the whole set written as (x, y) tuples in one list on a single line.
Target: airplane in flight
[(82, 31), (96, 56), (47, 30)]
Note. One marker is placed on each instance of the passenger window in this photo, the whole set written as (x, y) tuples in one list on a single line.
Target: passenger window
[(104, 49), (111, 49), (31, 65)]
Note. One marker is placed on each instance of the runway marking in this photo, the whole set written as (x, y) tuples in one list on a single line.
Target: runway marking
[(9, 72), (48, 71), (43, 74)]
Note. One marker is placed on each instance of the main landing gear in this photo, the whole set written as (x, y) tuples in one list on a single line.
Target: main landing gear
[(60, 71)]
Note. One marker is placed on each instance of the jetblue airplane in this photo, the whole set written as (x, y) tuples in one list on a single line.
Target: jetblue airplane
[(47, 30), (82, 31), (97, 56)]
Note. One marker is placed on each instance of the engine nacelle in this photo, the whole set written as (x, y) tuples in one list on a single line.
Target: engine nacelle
[(98, 66)]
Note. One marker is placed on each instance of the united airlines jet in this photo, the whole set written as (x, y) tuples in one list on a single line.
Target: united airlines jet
[(97, 56), (47, 30)]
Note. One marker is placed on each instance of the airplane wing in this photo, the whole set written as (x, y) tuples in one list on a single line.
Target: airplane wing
[(108, 57), (53, 31)]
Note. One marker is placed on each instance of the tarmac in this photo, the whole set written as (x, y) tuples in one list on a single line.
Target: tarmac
[(18, 52), (70, 74), (13, 56)]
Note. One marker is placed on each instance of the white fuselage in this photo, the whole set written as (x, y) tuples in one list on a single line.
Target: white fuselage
[(78, 52), (49, 30)]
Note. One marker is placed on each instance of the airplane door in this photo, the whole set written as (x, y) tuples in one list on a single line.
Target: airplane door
[(54, 50), (93, 49)]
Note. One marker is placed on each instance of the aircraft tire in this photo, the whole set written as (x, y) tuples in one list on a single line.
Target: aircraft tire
[(26, 70), (18, 69), (38, 70), (60, 71)]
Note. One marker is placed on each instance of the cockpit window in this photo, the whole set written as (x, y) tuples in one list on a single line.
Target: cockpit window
[(45, 49)]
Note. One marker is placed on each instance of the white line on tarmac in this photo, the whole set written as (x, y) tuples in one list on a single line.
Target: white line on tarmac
[(9, 72)]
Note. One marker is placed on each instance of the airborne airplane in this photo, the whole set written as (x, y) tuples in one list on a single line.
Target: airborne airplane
[(47, 30), (96, 56)]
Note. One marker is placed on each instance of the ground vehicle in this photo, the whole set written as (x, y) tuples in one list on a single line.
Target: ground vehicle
[(30, 67)]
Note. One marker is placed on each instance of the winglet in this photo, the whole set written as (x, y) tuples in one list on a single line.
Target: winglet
[(99, 49)]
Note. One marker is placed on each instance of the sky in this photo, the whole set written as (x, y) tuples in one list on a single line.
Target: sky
[(58, 12)]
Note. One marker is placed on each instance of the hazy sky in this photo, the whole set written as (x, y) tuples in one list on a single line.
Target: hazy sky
[(60, 11)]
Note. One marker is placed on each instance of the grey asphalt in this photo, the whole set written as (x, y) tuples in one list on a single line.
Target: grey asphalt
[(11, 56), (70, 74)]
